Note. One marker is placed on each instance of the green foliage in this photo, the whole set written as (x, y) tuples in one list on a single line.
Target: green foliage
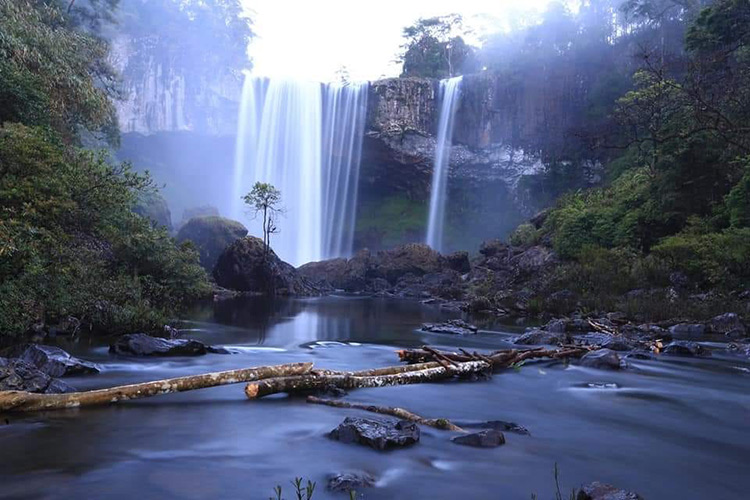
[(211, 235), (435, 48), (52, 75), (265, 199), (391, 221), (738, 202), (302, 491), (525, 235), (72, 245)]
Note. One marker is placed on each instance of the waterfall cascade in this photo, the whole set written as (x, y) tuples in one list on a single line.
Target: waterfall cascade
[(305, 138), (449, 96)]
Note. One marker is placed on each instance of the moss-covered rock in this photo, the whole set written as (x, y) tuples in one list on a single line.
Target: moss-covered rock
[(211, 235)]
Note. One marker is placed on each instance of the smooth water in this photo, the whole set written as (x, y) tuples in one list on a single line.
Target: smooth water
[(449, 98), (305, 139), (670, 428)]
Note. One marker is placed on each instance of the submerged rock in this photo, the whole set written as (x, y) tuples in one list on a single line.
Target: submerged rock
[(247, 266), (376, 433), (602, 359), (140, 344), (499, 425), (348, 481), (602, 491), (685, 348), (50, 360), (453, 327), (18, 375), (488, 438)]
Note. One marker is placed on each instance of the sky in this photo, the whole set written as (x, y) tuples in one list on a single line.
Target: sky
[(313, 39)]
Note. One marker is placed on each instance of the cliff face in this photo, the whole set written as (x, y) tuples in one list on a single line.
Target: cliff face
[(166, 94)]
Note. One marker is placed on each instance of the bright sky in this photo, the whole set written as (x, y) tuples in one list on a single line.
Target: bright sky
[(313, 39)]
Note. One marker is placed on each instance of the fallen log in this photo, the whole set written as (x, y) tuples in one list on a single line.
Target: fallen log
[(498, 359), (319, 381), (19, 401), (438, 423)]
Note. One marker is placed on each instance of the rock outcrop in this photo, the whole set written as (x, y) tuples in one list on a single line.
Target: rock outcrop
[(50, 360), (18, 375), (247, 266), (140, 344), (211, 235), (376, 433)]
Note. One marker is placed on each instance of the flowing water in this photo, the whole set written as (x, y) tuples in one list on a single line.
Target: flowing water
[(670, 428), (449, 98), (305, 138)]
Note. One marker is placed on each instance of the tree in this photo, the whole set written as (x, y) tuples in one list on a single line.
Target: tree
[(264, 199), (435, 48)]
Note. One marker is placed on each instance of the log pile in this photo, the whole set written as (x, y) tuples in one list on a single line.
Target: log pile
[(425, 365)]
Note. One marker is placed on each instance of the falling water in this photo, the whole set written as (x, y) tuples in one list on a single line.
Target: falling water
[(449, 93), (305, 138)]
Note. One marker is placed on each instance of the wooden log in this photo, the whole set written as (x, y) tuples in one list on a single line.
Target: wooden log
[(498, 359), (19, 401), (438, 423), (316, 382)]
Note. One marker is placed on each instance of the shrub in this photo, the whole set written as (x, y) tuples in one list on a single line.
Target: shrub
[(525, 235)]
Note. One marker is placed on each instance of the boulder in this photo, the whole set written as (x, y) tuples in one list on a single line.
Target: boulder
[(247, 266), (414, 258), (376, 433), (541, 337), (52, 361), (557, 325), (18, 375), (491, 248), (534, 259), (488, 438), (140, 344), (350, 481), (602, 491), (688, 330), (199, 211), (729, 324), (602, 359), (211, 235), (685, 348), (453, 327), (458, 261)]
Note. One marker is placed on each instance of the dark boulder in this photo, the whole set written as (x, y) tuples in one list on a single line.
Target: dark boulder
[(453, 327), (376, 433), (247, 266), (685, 348), (602, 491), (688, 330), (18, 375), (140, 344), (602, 359), (557, 325), (211, 236), (534, 259), (492, 248), (53, 361), (350, 481), (458, 261), (729, 324), (414, 258), (488, 438), (498, 425), (540, 337)]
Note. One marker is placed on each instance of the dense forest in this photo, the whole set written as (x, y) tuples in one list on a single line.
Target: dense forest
[(654, 91), (73, 253)]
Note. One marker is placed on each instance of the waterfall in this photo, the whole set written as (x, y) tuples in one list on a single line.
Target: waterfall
[(305, 138), (449, 94)]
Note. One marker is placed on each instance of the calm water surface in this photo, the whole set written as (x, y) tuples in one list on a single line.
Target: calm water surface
[(670, 428)]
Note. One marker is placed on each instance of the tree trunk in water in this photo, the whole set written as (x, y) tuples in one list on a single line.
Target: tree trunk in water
[(438, 423), (498, 359), (344, 380), (19, 401)]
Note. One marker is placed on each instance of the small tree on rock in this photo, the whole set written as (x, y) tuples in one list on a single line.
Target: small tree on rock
[(265, 199)]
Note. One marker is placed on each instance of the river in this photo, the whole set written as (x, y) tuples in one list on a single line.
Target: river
[(668, 428)]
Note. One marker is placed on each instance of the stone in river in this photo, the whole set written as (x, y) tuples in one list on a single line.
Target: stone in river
[(453, 327), (488, 438), (602, 359), (51, 360), (602, 491), (685, 348), (140, 344), (498, 425), (18, 375), (349, 481), (376, 433), (541, 337)]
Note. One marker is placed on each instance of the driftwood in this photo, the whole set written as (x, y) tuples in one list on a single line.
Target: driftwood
[(19, 401), (438, 423), (316, 381), (498, 359)]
